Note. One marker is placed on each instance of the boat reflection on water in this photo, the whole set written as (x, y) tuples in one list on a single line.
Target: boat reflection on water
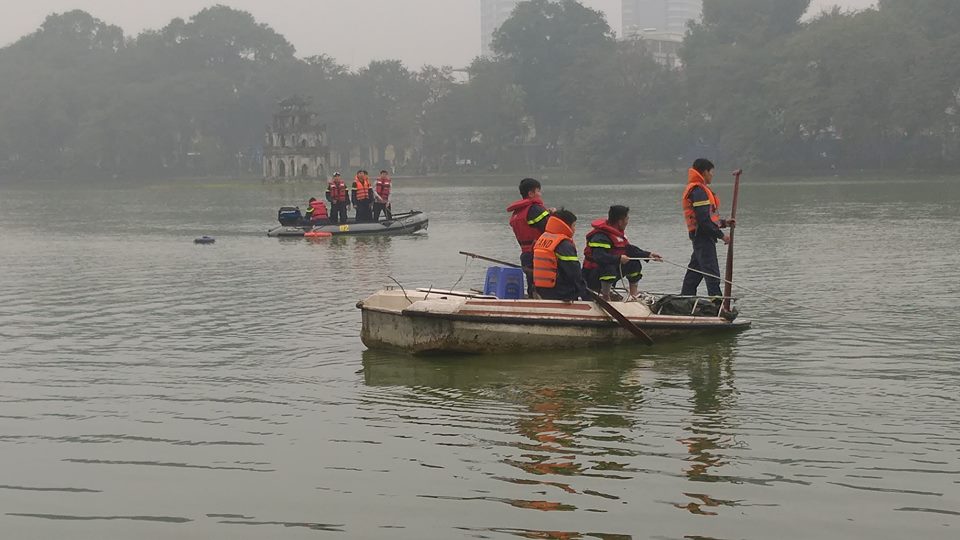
[(583, 429)]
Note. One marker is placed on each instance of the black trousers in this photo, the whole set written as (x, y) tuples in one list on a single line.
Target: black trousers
[(704, 259), (526, 261), (338, 212), (633, 271), (381, 207), (363, 211)]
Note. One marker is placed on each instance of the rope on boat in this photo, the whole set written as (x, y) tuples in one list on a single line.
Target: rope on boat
[(754, 291), (401, 288), (466, 266)]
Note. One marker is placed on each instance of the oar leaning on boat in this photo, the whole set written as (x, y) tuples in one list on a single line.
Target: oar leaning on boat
[(621, 319)]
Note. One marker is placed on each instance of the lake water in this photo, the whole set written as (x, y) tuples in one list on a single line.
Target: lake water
[(152, 388)]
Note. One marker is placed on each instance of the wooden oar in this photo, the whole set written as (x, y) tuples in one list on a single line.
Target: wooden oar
[(728, 286), (604, 305)]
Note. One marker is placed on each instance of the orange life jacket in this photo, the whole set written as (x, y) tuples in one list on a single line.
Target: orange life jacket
[(383, 188), (338, 191), (618, 245), (525, 231), (694, 180), (545, 252), (319, 211), (362, 186)]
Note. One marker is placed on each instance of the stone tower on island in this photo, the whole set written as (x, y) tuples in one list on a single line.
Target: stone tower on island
[(296, 144)]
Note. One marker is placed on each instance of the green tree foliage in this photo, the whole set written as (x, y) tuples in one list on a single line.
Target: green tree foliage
[(554, 51)]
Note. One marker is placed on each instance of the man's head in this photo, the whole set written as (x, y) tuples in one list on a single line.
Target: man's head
[(705, 168), (313, 199), (567, 217), (530, 188), (384, 173), (618, 217)]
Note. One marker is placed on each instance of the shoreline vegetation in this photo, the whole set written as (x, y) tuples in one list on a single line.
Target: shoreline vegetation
[(434, 181), (758, 86)]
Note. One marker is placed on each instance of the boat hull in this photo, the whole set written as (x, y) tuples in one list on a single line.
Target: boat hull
[(477, 326), (407, 224)]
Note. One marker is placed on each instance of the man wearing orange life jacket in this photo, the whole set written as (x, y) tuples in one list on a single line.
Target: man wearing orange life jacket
[(362, 196), (528, 222), (609, 256), (381, 197), (339, 199), (556, 268), (700, 207), (317, 212)]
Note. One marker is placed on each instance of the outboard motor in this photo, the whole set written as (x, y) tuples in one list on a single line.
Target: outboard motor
[(289, 216)]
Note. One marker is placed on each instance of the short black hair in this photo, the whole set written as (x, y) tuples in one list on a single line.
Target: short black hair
[(702, 165), (383, 171), (565, 216), (617, 212), (527, 185), (312, 199)]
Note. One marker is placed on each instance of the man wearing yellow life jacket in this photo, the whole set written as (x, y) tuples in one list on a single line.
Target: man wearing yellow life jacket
[(700, 211), (362, 197), (556, 267)]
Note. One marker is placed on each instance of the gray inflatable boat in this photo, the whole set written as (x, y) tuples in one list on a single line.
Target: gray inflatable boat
[(404, 223)]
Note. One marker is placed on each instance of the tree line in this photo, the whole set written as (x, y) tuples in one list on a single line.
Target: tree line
[(759, 87)]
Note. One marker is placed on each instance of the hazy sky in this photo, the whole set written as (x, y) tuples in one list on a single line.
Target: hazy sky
[(441, 32)]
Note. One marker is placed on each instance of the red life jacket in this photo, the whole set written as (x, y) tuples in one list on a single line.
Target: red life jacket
[(362, 186), (525, 231), (617, 247), (319, 211), (383, 188), (545, 264), (338, 191), (695, 180)]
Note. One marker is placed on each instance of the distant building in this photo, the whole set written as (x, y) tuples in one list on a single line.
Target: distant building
[(296, 144), (658, 16), (663, 46), (493, 13)]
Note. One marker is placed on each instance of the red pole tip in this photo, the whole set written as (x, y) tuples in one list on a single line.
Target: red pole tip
[(738, 172)]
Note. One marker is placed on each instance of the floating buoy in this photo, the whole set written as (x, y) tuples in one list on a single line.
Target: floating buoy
[(204, 240), (317, 234)]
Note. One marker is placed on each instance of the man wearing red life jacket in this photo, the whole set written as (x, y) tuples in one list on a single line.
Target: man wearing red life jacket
[(317, 212), (381, 197), (556, 267), (700, 206), (528, 222), (609, 256), (339, 199), (362, 196)]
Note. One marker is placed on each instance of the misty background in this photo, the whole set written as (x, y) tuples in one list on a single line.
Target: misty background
[(406, 30), (783, 86)]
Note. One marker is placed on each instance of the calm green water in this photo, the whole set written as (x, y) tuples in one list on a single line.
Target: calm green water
[(151, 388)]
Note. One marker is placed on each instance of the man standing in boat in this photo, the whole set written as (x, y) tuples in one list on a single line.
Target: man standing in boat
[(381, 197), (338, 198), (556, 267), (528, 222), (362, 196), (700, 212), (610, 257)]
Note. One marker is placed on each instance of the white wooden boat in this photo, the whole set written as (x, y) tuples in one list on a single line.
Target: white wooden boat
[(425, 322)]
